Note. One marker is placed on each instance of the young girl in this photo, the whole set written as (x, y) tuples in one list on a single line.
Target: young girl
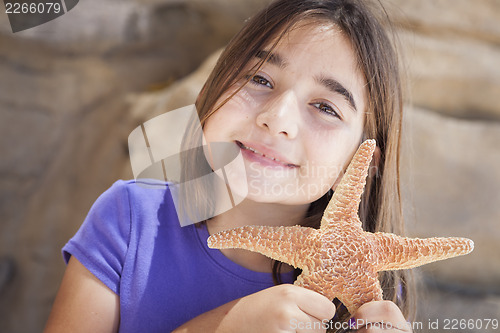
[(296, 92)]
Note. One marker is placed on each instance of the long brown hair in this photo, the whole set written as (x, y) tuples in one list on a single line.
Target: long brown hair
[(380, 208)]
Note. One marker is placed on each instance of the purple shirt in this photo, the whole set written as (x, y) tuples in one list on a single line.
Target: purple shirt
[(164, 275)]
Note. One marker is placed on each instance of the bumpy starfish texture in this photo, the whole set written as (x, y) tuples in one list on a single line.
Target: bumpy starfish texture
[(341, 259)]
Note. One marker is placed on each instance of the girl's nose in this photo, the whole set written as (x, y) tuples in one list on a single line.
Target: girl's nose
[(281, 116)]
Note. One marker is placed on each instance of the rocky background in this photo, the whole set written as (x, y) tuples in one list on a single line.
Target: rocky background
[(72, 90)]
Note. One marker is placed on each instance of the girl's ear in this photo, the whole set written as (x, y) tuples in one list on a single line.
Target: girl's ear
[(372, 170)]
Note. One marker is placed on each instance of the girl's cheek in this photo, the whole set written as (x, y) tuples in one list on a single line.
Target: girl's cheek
[(246, 99)]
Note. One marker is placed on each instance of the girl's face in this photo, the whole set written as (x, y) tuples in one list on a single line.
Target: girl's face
[(299, 119)]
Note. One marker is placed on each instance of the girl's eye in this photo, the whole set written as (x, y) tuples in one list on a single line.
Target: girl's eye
[(260, 81), (326, 108)]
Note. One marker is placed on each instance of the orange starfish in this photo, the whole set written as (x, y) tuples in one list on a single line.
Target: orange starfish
[(341, 259)]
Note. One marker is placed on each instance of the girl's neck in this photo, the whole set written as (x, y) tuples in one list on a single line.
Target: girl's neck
[(253, 213)]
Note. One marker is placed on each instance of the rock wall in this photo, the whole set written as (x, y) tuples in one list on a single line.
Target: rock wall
[(451, 48), (73, 89), (451, 190)]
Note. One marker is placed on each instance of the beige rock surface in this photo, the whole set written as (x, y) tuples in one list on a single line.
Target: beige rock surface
[(452, 187), (452, 51), (445, 308), (144, 106), (453, 75), (449, 17)]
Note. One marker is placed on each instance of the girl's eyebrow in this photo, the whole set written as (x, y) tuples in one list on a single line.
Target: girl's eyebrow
[(272, 58), (337, 87)]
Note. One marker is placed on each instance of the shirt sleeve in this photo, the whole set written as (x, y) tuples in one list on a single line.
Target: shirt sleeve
[(102, 241)]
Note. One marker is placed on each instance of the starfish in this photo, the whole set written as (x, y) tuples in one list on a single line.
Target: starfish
[(340, 259)]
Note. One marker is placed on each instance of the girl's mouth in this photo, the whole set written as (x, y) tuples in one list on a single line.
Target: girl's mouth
[(263, 157)]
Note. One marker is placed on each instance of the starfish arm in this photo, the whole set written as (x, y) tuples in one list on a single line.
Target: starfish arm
[(397, 252), (285, 244), (345, 200)]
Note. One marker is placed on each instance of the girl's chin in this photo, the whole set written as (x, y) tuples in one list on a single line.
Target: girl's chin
[(269, 190), (283, 195)]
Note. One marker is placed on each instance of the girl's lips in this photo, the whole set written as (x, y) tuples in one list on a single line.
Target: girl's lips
[(264, 156)]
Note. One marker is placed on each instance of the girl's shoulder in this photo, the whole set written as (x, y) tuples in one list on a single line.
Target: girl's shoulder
[(138, 191), (133, 203), (144, 197), (141, 186)]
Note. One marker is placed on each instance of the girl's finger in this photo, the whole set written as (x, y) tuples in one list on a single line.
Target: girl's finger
[(315, 304), (380, 315), (308, 324)]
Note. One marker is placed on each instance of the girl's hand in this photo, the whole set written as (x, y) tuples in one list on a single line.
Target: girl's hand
[(282, 308), (380, 316)]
